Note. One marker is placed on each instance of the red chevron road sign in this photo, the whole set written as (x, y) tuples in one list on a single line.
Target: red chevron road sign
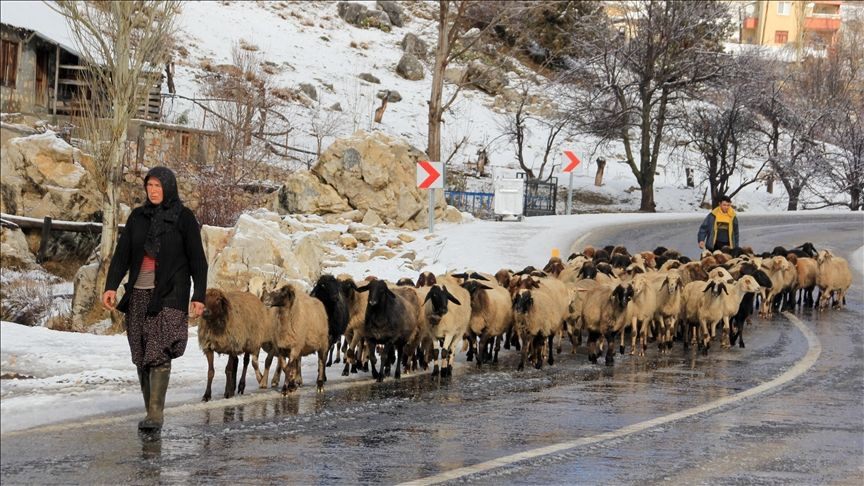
[(574, 161), (429, 175)]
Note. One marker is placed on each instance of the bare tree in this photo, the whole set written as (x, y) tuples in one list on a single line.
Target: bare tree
[(325, 124), (454, 19), (723, 130), (632, 77), (123, 46), (244, 114)]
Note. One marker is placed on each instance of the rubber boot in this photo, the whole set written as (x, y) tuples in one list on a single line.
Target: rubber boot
[(159, 376), (144, 379)]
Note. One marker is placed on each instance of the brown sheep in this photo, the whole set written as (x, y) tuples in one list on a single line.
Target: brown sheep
[(301, 329), (807, 270), (554, 267), (233, 323)]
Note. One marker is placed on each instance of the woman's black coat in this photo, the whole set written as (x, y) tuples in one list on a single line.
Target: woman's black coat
[(181, 256)]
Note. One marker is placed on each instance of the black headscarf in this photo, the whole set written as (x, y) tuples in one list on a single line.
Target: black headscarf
[(164, 215)]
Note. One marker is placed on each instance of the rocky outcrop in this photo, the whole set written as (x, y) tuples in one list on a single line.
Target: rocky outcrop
[(486, 78), (410, 68), (44, 176), (374, 171)]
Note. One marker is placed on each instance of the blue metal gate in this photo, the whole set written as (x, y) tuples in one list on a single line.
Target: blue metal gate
[(477, 203)]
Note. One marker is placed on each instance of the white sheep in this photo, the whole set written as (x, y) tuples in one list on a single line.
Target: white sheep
[(834, 277), (301, 329)]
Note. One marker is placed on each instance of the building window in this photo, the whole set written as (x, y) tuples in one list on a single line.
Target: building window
[(8, 62), (781, 36), (784, 8)]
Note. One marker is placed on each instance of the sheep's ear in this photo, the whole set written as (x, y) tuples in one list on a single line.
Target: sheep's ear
[(450, 297), (484, 287), (463, 275), (224, 305), (364, 288), (722, 288), (477, 276), (708, 287), (428, 296)]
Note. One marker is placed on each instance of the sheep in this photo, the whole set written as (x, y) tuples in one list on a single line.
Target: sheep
[(834, 276), (405, 282), (357, 315), (807, 270), (447, 323), (641, 308), (491, 316), (704, 304), (554, 267), (748, 287), (334, 296), (301, 329), (603, 314), (668, 306), (233, 322), (691, 272), (783, 275), (535, 321), (391, 320), (426, 279)]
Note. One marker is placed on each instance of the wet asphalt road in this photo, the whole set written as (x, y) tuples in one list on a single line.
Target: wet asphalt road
[(808, 431)]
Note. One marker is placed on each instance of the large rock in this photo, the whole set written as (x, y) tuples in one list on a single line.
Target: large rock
[(44, 176), (486, 78), (14, 251), (393, 11), (410, 68), (258, 251), (303, 192), (378, 172), (414, 45)]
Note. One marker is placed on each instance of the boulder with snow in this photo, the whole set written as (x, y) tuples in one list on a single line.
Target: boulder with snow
[(14, 251), (486, 78), (259, 248), (359, 15), (392, 95), (303, 192), (412, 44), (393, 11), (44, 176), (379, 172), (369, 78), (410, 68)]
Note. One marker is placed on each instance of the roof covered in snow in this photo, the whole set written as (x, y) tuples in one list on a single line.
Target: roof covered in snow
[(39, 17)]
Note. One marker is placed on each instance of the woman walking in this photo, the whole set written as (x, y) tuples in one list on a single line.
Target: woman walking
[(160, 248)]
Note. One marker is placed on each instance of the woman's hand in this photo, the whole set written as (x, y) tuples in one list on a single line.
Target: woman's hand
[(196, 309), (109, 300)]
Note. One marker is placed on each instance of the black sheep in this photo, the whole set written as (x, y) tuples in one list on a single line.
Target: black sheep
[(332, 293)]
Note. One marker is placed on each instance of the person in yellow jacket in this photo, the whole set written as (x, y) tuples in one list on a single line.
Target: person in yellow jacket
[(720, 227)]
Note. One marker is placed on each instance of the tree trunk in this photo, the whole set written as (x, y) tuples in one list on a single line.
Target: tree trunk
[(793, 200), (770, 185), (601, 167), (433, 148), (647, 185), (855, 199), (690, 181)]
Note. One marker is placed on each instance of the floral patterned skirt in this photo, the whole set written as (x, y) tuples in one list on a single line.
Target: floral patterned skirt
[(154, 339)]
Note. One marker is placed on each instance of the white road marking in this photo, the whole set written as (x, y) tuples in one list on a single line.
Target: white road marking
[(814, 349)]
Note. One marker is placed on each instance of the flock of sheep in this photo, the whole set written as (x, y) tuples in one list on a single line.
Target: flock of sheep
[(658, 295)]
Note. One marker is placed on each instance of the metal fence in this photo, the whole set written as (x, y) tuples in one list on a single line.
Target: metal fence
[(540, 196), (477, 203)]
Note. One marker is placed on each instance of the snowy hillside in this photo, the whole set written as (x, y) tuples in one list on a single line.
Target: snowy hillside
[(309, 43)]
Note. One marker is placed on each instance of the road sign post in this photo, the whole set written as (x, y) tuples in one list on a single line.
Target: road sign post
[(574, 161), (430, 176)]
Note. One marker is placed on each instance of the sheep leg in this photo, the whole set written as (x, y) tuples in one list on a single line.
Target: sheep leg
[(379, 377), (231, 375), (610, 353), (278, 372), (450, 346), (621, 344), (290, 370), (241, 386), (634, 330), (482, 353), (256, 367), (397, 374), (210, 373), (551, 360), (643, 337), (724, 339), (524, 352), (592, 346), (322, 372), (497, 348), (472, 347), (706, 336)]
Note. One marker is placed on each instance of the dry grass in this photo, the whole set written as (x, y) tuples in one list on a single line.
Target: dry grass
[(25, 301)]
